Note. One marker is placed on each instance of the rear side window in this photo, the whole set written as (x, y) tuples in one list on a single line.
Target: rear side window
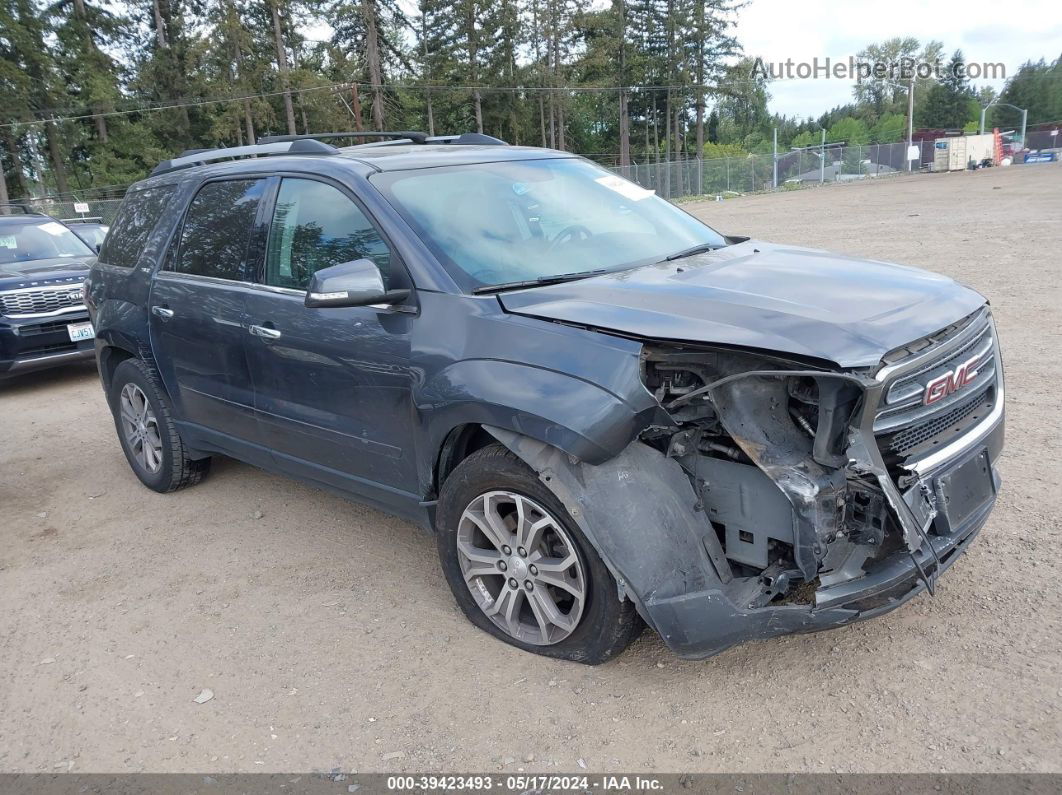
[(137, 216), (217, 228)]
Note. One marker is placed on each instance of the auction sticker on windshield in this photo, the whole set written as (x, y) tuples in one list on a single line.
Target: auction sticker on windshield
[(626, 189), (54, 228)]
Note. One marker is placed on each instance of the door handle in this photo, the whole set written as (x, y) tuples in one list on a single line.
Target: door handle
[(163, 312), (264, 332)]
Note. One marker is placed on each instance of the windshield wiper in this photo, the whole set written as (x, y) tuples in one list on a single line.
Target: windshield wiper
[(700, 248), (539, 282)]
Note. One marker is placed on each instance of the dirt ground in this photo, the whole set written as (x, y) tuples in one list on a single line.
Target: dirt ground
[(329, 638)]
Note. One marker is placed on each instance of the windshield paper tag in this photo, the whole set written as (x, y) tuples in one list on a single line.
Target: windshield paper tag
[(53, 228), (8, 242), (626, 189)]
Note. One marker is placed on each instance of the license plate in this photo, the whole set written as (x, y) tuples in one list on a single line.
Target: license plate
[(80, 331), (967, 488)]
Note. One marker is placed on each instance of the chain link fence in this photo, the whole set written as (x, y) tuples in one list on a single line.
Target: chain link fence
[(102, 210), (755, 172), (690, 177)]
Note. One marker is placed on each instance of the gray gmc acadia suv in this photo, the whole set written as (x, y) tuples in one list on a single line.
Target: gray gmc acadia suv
[(607, 412)]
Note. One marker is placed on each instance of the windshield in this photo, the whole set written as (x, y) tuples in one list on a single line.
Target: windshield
[(24, 241), (495, 223), (93, 234)]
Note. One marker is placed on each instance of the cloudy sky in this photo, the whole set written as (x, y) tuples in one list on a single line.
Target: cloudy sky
[(987, 31), (1009, 33)]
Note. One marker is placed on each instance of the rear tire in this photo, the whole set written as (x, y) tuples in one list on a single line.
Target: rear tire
[(144, 420), (568, 606)]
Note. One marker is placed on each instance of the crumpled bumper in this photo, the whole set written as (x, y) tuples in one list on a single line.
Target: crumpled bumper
[(660, 553), (700, 624)]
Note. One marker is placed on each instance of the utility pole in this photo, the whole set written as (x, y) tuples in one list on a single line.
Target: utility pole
[(1024, 116), (775, 158), (822, 158), (910, 120)]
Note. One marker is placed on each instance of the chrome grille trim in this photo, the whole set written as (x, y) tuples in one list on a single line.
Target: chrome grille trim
[(52, 299), (904, 384), (942, 347)]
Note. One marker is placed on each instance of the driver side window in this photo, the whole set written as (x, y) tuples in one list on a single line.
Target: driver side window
[(316, 226)]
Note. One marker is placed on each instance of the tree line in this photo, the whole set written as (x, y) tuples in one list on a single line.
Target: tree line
[(94, 94)]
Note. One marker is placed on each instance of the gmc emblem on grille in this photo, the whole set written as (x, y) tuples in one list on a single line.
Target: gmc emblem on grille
[(952, 381)]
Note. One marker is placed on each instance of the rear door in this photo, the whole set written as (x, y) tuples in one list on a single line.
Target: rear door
[(198, 313), (332, 385)]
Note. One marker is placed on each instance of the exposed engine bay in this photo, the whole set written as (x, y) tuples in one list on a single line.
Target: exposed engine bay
[(767, 494), (766, 446)]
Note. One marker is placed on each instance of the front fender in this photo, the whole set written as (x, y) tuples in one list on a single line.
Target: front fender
[(641, 514), (573, 415)]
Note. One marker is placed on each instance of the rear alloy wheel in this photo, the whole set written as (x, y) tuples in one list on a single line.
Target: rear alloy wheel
[(149, 437), (141, 427), (521, 569)]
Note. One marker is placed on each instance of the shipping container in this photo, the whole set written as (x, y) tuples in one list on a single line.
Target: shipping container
[(955, 153)]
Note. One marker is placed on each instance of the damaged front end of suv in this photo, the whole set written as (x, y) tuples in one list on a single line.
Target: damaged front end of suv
[(779, 495)]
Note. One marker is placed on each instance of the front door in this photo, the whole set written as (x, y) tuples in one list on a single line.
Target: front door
[(198, 314), (332, 385)]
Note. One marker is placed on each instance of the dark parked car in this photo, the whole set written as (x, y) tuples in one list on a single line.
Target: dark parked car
[(607, 412), (43, 319), (91, 230)]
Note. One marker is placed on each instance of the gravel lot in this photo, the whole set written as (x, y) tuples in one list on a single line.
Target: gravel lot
[(330, 640)]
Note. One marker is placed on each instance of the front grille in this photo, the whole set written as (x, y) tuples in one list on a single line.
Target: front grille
[(38, 300), (940, 428), (904, 424), (42, 328)]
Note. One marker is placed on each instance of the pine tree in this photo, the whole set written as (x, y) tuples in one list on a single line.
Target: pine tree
[(1036, 87), (82, 31), (370, 34), (948, 104), (18, 42)]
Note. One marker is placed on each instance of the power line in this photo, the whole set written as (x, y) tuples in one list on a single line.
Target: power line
[(166, 106), (54, 114)]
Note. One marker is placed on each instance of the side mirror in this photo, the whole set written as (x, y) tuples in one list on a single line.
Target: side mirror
[(355, 283)]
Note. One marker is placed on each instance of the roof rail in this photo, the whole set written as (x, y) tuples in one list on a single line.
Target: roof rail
[(467, 139), (412, 135), (195, 157), (6, 207), (88, 219), (398, 136)]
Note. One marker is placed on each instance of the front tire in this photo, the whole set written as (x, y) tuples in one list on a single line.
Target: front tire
[(521, 570), (144, 421)]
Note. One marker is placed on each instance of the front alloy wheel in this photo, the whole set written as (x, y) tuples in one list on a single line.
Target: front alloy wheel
[(521, 567)]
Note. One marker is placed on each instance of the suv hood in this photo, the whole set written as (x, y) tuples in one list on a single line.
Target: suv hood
[(797, 301), (37, 272)]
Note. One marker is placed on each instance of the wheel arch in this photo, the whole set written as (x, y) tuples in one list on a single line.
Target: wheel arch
[(580, 418), (109, 357), (655, 551), (457, 445)]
